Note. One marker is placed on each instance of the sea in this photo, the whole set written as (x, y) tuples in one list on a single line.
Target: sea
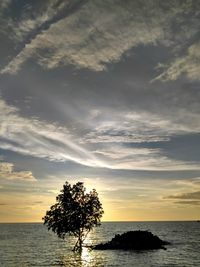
[(31, 244)]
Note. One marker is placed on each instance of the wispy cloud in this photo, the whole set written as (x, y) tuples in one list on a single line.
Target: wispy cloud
[(87, 40), (188, 64), (182, 192), (187, 196), (190, 203), (191, 198), (83, 39), (121, 157), (40, 139), (138, 127), (57, 143), (72, 32), (32, 18), (193, 183), (7, 172)]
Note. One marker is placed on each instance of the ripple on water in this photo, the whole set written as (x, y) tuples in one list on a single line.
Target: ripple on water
[(24, 245)]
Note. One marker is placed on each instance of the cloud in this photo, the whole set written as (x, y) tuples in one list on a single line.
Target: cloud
[(87, 40), (7, 172), (189, 64), (116, 152), (32, 18), (184, 184), (72, 32), (130, 127), (191, 198), (33, 137), (40, 139), (187, 196), (139, 127), (39, 18), (192, 202), (120, 157), (4, 4), (53, 191), (37, 202)]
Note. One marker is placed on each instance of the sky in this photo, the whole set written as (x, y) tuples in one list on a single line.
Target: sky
[(104, 92)]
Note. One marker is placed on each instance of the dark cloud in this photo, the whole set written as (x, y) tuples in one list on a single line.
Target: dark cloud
[(192, 202), (186, 196), (38, 202)]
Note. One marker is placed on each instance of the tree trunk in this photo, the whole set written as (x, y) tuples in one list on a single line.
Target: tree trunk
[(79, 243)]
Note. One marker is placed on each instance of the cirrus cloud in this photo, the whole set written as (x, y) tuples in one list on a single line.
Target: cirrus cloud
[(53, 142)]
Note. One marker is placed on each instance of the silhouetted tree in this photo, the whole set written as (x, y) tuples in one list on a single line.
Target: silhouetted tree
[(75, 213)]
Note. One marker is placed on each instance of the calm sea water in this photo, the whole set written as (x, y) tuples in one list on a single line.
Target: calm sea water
[(23, 245)]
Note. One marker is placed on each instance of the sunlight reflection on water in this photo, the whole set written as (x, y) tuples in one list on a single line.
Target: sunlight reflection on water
[(87, 258), (84, 259)]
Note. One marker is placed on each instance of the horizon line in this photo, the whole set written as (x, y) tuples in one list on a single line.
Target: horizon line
[(40, 222)]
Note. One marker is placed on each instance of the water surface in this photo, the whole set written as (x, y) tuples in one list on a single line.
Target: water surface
[(24, 245)]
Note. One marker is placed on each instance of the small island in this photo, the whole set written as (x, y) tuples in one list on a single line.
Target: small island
[(134, 240)]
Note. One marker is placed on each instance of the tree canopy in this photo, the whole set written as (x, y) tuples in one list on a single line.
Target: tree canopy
[(75, 213)]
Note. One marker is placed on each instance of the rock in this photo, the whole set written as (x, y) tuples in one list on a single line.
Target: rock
[(135, 240)]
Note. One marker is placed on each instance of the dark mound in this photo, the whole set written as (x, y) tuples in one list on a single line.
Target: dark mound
[(137, 240)]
